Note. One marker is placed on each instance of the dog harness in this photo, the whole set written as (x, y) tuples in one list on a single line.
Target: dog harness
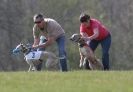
[(34, 55)]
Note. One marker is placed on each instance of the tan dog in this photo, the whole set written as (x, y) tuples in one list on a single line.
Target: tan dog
[(86, 53), (35, 57)]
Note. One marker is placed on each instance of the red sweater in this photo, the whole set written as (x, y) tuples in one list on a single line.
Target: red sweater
[(103, 32)]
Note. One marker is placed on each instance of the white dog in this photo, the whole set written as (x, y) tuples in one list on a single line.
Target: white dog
[(33, 57)]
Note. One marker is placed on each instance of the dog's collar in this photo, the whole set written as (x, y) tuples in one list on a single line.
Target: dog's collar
[(28, 51), (82, 45)]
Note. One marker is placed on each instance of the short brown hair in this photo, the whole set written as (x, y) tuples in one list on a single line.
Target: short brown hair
[(36, 16), (84, 17)]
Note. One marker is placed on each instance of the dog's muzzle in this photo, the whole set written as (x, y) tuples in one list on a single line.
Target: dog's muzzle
[(16, 51)]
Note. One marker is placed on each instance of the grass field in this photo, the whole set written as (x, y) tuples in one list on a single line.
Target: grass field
[(74, 81)]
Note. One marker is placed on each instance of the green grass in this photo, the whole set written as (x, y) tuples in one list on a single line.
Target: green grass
[(74, 81)]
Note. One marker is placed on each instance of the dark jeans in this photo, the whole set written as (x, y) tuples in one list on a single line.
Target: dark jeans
[(105, 44)]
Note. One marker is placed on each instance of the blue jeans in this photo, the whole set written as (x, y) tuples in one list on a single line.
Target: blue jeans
[(105, 43), (62, 52)]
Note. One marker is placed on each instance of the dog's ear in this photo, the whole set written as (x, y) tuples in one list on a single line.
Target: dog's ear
[(71, 38), (21, 44)]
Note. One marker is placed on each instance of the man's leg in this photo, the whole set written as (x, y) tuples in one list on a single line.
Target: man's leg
[(62, 53), (105, 52)]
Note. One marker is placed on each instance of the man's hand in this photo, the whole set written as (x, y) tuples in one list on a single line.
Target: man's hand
[(35, 46), (86, 38)]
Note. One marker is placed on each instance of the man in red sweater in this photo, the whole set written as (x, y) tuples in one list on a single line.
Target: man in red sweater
[(96, 33)]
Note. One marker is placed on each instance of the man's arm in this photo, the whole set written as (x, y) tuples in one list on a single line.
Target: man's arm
[(95, 35), (36, 41), (36, 36), (49, 41)]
